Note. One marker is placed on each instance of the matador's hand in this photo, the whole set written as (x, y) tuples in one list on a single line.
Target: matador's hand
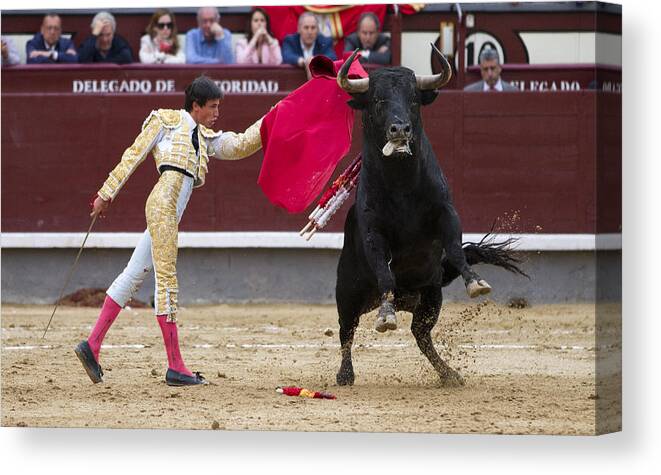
[(99, 206)]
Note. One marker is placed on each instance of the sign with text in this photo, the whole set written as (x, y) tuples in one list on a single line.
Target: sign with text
[(159, 86), (560, 77), (114, 79), (565, 85), (144, 86)]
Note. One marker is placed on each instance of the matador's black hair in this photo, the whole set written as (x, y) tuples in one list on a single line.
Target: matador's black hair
[(201, 90)]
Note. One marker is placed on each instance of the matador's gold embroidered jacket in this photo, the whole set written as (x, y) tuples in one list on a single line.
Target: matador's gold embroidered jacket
[(167, 134)]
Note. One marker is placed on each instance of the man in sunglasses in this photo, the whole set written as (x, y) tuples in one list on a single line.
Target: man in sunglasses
[(210, 43)]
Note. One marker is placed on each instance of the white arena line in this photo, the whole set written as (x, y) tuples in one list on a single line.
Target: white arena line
[(336, 345), (315, 345), (499, 347), (111, 347), (49, 347), (290, 346), (383, 345), (27, 347), (292, 240), (403, 345), (274, 329), (528, 347)]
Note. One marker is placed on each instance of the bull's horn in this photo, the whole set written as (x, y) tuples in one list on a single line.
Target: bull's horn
[(435, 81), (352, 86)]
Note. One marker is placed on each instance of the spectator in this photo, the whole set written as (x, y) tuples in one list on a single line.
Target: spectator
[(48, 46), (160, 44), (490, 70), (259, 46), (209, 43), (9, 52), (104, 46), (298, 49), (374, 46)]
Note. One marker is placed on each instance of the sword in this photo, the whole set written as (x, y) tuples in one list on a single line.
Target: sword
[(73, 268)]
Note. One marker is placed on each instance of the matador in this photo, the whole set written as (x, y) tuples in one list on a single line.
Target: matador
[(181, 142)]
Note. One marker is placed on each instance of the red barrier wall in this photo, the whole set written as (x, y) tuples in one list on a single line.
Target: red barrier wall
[(552, 159)]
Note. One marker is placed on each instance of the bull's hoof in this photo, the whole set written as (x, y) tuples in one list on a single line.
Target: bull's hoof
[(476, 288), (386, 318), (386, 322), (451, 379), (344, 378)]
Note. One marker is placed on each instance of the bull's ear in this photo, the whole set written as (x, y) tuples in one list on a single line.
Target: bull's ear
[(428, 96), (358, 101)]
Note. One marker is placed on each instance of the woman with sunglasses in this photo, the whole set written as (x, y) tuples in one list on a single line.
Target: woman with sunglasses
[(160, 44), (259, 46)]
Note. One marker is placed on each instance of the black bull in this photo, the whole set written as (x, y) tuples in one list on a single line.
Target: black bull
[(402, 237)]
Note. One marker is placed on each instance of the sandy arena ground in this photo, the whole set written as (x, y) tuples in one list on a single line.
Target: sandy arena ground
[(527, 371)]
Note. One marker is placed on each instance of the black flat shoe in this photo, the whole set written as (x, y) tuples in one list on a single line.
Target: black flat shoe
[(175, 378), (86, 357)]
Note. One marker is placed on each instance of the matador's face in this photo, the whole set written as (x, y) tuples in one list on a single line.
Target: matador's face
[(206, 114)]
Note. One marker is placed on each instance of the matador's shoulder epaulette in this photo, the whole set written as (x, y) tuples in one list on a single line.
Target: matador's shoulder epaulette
[(208, 133), (169, 118)]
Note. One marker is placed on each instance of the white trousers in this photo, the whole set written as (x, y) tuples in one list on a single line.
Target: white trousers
[(127, 284)]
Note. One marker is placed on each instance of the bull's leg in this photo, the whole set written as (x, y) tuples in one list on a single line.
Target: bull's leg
[(352, 291), (350, 303), (348, 323), (425, 316), (378, 257), (451, 238)]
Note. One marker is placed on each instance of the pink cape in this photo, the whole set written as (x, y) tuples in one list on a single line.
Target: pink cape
[(305, 136)]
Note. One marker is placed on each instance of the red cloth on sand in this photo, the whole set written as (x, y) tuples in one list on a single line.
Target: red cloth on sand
[(296, 391), (306, 135)]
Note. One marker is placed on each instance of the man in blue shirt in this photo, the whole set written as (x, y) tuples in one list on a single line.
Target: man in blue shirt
[(48, 46), (210, 43), (299, 48)]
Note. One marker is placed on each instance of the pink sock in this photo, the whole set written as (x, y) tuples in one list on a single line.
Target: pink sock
[(171, 340), (108, 314)]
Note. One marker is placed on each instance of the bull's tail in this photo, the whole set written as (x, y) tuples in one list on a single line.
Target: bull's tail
[(487, 251)]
